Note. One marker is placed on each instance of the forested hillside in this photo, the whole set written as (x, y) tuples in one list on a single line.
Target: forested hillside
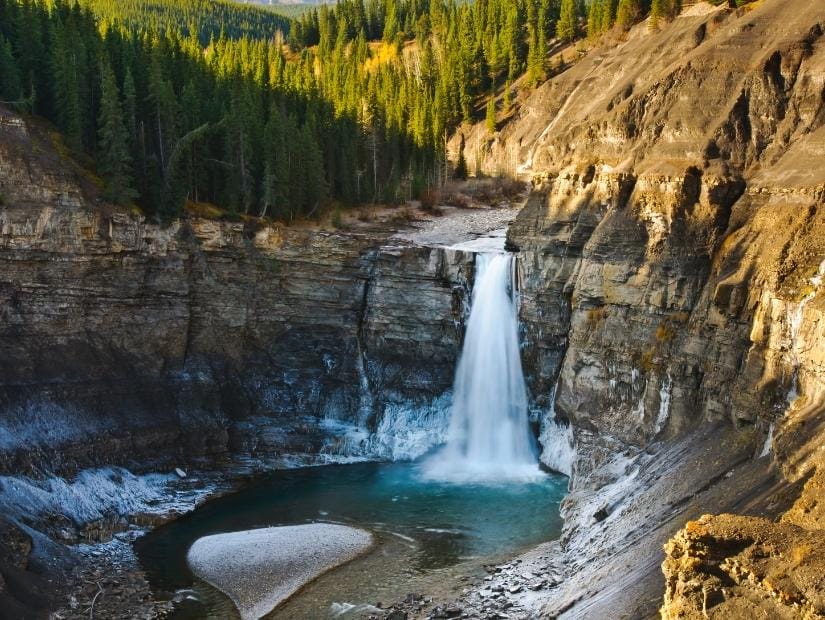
[(356, 107), (207, 18)]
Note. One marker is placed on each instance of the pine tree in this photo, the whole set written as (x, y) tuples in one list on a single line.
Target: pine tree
[(391, 24), (657, 12), (461, 164), (567, 25), (315, 188), (490, 119), (66, 90), (628, 12), (130, 105), (595, 18), (537, 45), (663, 9), (114, 160), (608, 16), (10, 88), (275, 194)]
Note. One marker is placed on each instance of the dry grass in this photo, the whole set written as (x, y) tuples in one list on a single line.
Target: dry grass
[(799, 553), (647, 359), (665, 332), (461, 201), (402, 216), (595, 316), (205, 210)]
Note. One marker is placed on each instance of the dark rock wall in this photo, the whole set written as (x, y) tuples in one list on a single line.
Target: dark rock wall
[(128, 342)]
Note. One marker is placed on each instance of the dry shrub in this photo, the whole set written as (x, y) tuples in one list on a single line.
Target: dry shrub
[(430, 198), (596, 315), (511, 188), (462, 201), (647, 362), (402, 216), (665, 332)]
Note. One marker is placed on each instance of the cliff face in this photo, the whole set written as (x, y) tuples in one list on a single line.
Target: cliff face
[(128, 342), (677, 222), (672, 255)]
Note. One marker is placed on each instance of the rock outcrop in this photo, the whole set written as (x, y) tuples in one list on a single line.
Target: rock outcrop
[(127, 342), (672, 259)]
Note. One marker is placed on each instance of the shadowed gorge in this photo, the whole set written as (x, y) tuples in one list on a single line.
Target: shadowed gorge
[(654, 329)]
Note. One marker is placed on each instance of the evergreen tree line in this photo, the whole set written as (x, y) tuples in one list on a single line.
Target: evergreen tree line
[(208, 19), (165, 120), (357, 107)]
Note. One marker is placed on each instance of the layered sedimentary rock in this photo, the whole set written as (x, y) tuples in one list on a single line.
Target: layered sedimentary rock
[(130, 342), (672, 256), (671, 288)]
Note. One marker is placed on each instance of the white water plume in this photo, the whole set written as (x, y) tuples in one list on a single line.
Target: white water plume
[(489, 437)]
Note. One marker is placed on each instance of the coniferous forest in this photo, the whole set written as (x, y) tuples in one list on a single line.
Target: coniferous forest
[(239, 107)]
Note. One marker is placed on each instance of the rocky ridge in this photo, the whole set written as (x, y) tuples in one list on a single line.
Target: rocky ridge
[(671, 259)]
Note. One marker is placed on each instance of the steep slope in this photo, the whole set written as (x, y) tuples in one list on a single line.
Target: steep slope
[(672, 298)]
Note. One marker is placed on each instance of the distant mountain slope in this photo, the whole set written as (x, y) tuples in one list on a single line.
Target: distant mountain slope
[(211, 16)]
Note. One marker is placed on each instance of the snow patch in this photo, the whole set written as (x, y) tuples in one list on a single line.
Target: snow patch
[(557, 451), (665, 392), (767, 448), (93, 495)]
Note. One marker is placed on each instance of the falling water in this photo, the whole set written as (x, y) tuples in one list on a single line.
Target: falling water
[(489, 436)]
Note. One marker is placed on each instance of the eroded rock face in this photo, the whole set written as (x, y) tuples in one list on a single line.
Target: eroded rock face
[(729, 566), (674, 231), (672, 256), (127, 342)]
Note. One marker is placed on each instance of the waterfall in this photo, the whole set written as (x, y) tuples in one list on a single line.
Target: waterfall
[(489, 436)]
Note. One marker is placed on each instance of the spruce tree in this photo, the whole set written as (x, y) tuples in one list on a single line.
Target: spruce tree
[(461, 164), (10, 90), (315, 187), (490, 120), (657, 12), (608, 16), (595, 18), (114, 160), (508, 96), (628, 12), (567, 25)]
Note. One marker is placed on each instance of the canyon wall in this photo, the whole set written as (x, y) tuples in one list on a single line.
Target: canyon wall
[(672, 259), (134, 343)]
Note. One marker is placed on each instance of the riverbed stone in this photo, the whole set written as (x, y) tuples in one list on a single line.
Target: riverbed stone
[(258, 569)]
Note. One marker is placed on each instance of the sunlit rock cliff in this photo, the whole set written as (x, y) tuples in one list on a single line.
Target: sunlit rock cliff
[(672, 259)]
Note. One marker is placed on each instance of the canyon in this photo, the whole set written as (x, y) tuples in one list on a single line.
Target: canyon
[(671, 257)]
